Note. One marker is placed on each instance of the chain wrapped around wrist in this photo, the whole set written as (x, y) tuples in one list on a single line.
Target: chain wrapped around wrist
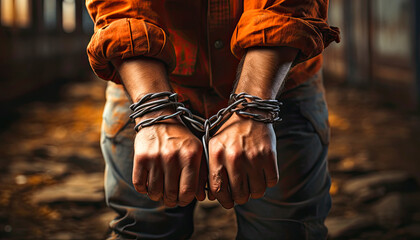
[(153, 102), (243, 104)]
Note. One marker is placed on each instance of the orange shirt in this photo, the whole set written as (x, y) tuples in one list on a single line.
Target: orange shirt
[(202, 41)]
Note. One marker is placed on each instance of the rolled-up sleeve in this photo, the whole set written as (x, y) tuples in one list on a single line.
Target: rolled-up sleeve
[(125, 29), (300, 24)]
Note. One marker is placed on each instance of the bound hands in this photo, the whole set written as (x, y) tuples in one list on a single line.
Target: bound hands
[(168, 161), (167, 156), (242, 161), (243, 153)]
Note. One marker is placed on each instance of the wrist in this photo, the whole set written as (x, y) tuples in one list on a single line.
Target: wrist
[(256, 108), (156, 107), (155, 114), (142, 76), (264, 70), (262, 93)]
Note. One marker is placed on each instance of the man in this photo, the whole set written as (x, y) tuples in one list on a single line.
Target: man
[(275, 175)]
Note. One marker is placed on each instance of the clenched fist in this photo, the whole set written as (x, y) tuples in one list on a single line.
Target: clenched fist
[(242, 161), (167, 158)]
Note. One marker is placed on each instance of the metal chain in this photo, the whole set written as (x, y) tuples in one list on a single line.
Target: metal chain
[(239, 103)]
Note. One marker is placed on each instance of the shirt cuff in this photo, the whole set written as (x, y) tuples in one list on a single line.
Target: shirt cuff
[(126, 38), (262, 27)]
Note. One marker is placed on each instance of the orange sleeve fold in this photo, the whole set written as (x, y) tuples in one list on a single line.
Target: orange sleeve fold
[(125, 29), (299, 24)]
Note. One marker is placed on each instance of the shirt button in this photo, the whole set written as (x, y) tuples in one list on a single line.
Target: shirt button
[(218, 44)]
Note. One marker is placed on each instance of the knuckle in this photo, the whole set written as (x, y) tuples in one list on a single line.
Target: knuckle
[(138, 184), (186, 200), (171, 194), (269, 152), (191, 146), (257, 193), (273, 180), (141, 157), (197, 146), (216, 152), (169, 202), (153, 155), (168, 155), (253, 154), (190, 154), (140, 188), (213, 140), (234, 163), (168, 160), (155, 196), (187, 191), (233, 154)]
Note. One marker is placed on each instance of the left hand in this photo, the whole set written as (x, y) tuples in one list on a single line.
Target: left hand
[(242, 161)]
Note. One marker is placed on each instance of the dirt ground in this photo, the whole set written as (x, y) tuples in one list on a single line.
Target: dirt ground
[(51, 170)]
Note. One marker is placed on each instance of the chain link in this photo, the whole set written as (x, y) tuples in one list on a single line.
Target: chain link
[(240, 104)]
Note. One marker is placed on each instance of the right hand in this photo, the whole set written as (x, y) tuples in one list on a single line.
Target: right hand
[(167, 158)]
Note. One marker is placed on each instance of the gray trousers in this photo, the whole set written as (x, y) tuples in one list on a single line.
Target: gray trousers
[(293, 209)]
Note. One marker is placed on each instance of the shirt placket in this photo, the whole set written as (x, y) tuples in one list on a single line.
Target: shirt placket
[(219, 32)]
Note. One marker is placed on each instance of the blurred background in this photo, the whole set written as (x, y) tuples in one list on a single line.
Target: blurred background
[(51, 167)]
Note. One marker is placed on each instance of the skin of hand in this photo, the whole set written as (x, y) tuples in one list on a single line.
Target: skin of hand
[(242, 153), (167, 160), (167, 156)]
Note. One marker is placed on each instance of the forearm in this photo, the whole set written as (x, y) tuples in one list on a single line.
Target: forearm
[(264, 70), (167, 157), (141, 76)]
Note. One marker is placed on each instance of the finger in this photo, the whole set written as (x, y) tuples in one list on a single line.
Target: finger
[(218, 179), (191, 160), (155, 184), (256, 181), (271, 175), (187, 185), (202, 181), (219, 183), (239, 189), (271, 170), (238, 181), (210, 196), (172, 174), (139, 177)]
